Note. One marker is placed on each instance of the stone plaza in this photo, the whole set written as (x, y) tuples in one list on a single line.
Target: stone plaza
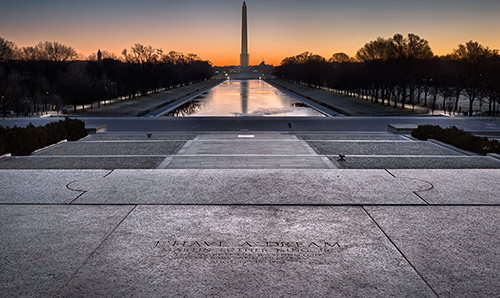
[(251, 206), (250, 213)]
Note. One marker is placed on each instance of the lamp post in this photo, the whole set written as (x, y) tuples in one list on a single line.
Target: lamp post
[(3, 107)]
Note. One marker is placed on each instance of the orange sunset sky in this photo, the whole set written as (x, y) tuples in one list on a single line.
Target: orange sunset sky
[(277, 29)]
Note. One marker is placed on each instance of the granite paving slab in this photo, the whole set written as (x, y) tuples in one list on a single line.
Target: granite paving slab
[(114, 148), (81, 162), (417, 162), (380, 148), (224, 251), (154, 137), (456, 249), (247, 162), (474, 186), (246, 135), (350, 137), (249, 186), (42, 246), (246, 147), (42, 186)]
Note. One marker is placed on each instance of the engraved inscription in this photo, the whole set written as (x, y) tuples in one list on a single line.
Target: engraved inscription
[(246, 251)]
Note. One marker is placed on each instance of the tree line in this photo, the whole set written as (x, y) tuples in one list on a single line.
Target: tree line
[(403, 70), (47, 76)]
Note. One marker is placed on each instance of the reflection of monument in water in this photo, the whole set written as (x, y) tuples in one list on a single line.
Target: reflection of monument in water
[(244, 97)]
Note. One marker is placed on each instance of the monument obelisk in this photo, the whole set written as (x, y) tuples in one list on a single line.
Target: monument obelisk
[(244, 39)]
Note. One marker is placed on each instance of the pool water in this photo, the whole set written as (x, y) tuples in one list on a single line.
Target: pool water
[(237, 98)]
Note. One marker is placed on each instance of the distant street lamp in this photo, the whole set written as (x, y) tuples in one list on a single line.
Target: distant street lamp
[(3, 98)]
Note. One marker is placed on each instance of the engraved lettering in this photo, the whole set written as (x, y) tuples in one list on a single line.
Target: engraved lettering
[(180, 243), (332, 245), (313, 244)]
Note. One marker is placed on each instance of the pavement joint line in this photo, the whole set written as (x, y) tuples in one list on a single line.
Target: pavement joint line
[(74, 200), (420, 197), (249, 155), (409, 178), (401, 252), (110, 172), (390, 173), (87, 259), (430, 205), (87, 178)]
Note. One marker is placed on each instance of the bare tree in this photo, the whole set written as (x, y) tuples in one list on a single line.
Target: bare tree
[(8, 50), (49, 51), (303, 58), (408, 53), (379, 49), (192, 57), (55, 51), (340, 58), (174, 58), (469, 60), (140, 54), (31, 53)]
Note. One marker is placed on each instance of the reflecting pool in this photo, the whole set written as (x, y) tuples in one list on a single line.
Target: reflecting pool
[(243, 98)]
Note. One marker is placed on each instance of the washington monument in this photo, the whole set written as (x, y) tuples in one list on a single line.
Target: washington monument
[(244, 39)]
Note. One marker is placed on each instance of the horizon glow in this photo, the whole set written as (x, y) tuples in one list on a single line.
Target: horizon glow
[(276, 28)]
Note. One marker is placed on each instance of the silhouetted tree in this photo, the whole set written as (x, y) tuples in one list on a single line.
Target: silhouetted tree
[(140, 54), (408, 54), (44, 76), (340, 58), (470, 60), (491, 87), (49, 51), (403, 69), (379, 50), (8, 50)]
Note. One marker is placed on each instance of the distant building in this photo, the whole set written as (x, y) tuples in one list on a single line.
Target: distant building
[(99, 56)]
